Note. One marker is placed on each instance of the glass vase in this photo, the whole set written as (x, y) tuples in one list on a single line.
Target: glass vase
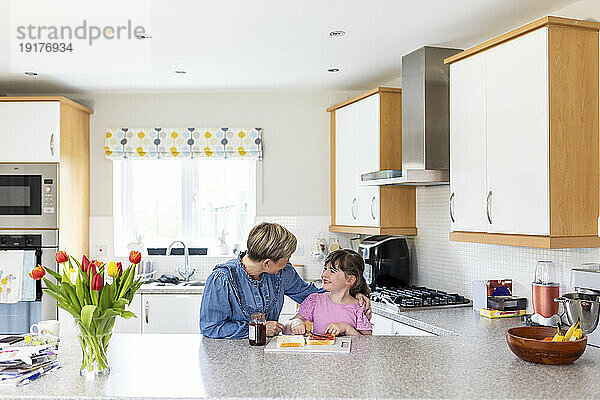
[(94, 339)]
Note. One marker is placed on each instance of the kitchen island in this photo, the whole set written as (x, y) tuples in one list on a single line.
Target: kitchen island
[(472, 362)]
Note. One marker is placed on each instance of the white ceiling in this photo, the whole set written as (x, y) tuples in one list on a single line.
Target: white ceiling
[(247, 45)]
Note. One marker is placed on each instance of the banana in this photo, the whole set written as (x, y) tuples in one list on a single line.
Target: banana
[(577, 334), (558, 337), (571, 331)]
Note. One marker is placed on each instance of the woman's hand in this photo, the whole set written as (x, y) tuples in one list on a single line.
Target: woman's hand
[(337, 328), (365, 302), (274, 328)]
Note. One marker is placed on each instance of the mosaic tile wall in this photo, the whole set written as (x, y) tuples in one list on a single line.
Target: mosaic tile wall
[(452, 266)]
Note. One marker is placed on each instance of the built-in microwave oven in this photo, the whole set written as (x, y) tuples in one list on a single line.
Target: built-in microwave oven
[(29, 196)]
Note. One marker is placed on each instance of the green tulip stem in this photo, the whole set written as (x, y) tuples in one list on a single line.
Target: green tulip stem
[(94, 344)]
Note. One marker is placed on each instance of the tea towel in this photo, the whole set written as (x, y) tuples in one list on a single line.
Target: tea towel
[(11, 275), (28, 286)]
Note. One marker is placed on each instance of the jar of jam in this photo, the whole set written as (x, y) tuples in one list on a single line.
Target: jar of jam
[(257, 329)]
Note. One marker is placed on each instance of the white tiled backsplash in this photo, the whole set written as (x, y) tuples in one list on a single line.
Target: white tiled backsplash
[(452, 266)]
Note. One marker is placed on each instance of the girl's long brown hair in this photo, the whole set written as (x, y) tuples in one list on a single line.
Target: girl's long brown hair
[(351, 263)]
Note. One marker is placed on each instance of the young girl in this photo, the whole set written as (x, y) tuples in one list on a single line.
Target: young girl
[(336, 311)]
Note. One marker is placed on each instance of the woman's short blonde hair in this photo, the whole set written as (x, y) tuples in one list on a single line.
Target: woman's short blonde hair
[(270, 241)]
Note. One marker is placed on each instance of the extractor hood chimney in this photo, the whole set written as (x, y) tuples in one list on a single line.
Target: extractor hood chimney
[(425, 121)]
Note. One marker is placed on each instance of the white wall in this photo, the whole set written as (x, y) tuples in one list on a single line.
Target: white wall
[(295, 169), (584, 9)]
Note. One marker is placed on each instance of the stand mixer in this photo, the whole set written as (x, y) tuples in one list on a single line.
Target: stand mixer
[(584, 305)]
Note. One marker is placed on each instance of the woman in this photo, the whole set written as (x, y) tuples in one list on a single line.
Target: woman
[(254, 282)]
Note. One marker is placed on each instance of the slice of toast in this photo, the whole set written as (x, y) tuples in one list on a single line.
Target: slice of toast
[(324, 339), (290, 341)]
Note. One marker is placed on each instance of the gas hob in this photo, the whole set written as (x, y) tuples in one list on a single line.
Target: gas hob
[(416, 298)]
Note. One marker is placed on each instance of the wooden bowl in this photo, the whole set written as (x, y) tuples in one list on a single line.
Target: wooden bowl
[(526, 342)]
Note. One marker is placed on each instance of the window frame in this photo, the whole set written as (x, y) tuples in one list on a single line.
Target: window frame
[(124, 224)]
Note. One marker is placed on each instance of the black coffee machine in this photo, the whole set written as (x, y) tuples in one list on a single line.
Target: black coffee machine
[(387, 261)]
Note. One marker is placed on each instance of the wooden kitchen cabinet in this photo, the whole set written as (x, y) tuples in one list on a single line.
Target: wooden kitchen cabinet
[(51, 129), (524, 137), (366, 136), (170, 313)]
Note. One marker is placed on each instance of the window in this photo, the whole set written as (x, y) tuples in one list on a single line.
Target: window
[(196, 201)]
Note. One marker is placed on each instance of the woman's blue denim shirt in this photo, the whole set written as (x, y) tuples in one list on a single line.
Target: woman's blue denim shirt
[(231, 295)]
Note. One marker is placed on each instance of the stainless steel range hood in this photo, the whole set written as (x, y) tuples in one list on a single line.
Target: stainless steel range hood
[(425, 122)]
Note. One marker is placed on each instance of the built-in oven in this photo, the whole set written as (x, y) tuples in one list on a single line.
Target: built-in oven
[(29, 196), (17, 317)]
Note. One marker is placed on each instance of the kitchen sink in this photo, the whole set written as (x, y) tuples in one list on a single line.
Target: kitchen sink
[(192, 283)]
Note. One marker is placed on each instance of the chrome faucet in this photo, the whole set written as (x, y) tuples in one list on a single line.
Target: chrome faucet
[(185, 272)]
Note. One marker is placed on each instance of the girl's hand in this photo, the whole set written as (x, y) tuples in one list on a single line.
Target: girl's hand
[(337, 328), (365, 302), (299, 328), (274, 328)]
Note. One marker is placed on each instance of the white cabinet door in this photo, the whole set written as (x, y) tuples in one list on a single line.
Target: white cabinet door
[(346, 201), (170, 313), (517, 135), (382, 325), (283, 318), (401, 329), (289, 306), (30, 131), (131, 325), (368, 205), (367, 149), (368, 135), (468, 144), (288, 310)]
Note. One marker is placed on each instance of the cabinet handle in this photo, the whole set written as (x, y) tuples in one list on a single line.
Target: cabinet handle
[(488, 206), (146, 311), (52, 144), (352, 208), (372, 206), (451, 207)]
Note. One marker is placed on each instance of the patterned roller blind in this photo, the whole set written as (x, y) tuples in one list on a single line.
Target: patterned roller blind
[(209, 143)]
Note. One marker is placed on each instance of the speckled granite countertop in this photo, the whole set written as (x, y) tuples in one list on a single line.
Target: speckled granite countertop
[(474, 363)]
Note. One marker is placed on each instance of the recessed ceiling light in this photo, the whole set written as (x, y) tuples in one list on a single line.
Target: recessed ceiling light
[(30, 73), (333, 70), (180, 72), (337, 33), (144, 36)]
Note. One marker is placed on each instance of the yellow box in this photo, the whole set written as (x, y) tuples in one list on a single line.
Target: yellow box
[(489, 313)]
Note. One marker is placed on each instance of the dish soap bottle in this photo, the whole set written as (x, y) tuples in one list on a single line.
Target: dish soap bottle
[(223, 247)]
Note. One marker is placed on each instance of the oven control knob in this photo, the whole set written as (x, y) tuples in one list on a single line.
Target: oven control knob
[(48, 188), (3, 241), (29, 241)]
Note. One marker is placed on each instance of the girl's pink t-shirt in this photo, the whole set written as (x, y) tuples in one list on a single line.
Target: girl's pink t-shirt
[(321, 311)]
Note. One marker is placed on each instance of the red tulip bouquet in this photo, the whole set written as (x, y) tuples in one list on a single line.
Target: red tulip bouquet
[(83, 289)]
